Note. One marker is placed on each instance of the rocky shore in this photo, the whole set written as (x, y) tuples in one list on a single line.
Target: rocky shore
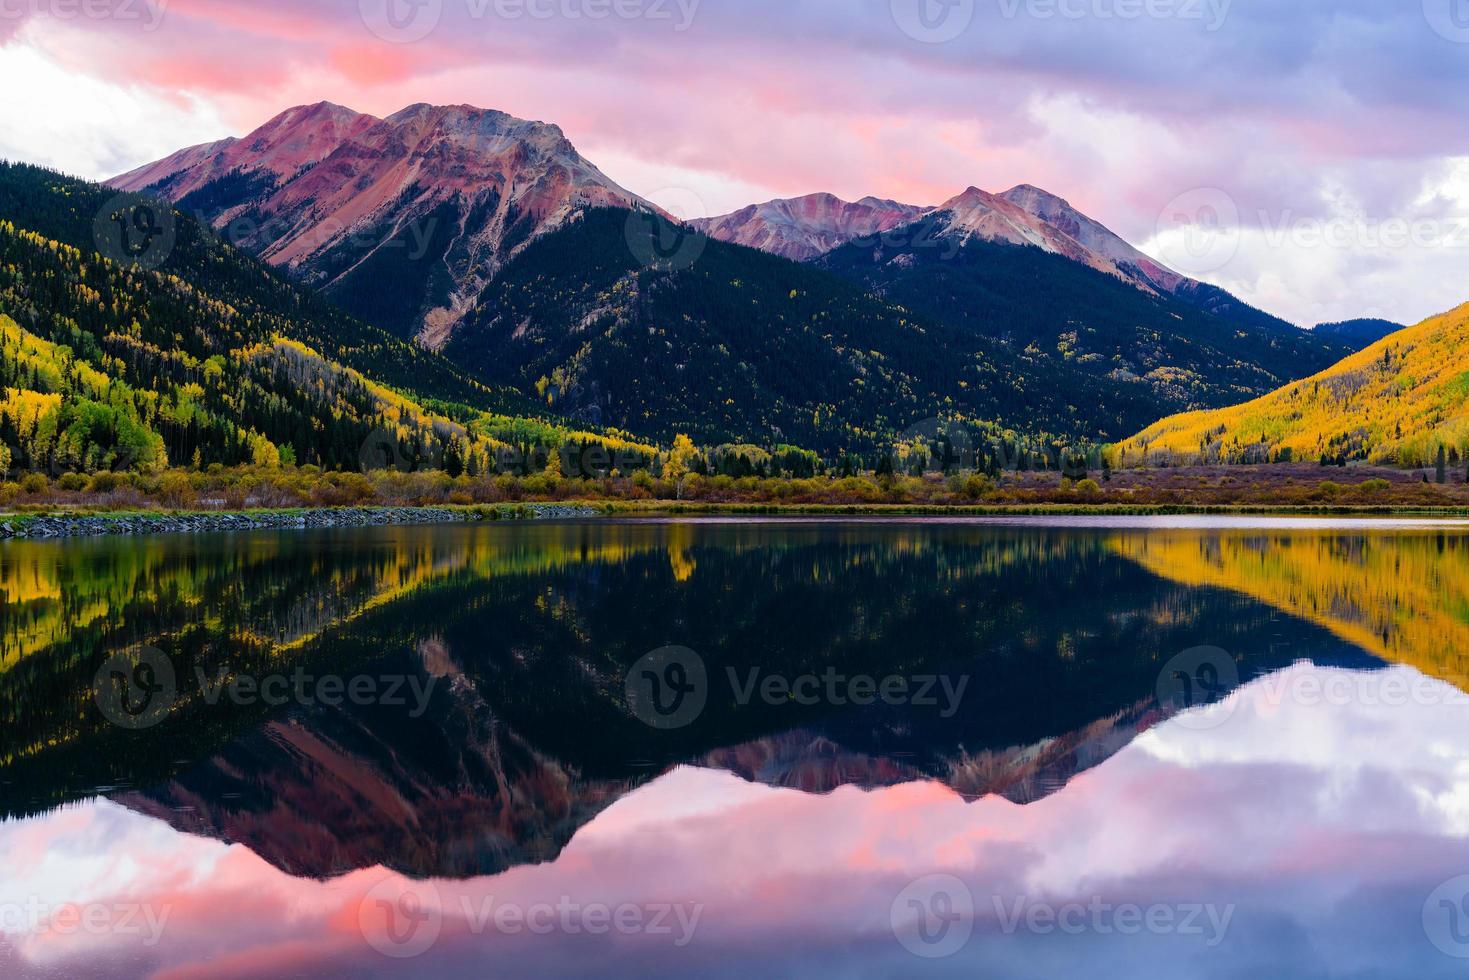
[(91, 525)]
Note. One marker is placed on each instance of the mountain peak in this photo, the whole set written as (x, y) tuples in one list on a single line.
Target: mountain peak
[(1029, 196), (984, 216), (1097, 239), (319, 114), (330, 108), (884, 202), (330, 191), (801, 228), (427, 110), (475, 130)]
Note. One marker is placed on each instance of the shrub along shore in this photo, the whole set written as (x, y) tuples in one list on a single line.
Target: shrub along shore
[(278, 488), (247, 499)]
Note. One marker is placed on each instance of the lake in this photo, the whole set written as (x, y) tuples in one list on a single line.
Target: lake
[(1171, 748)]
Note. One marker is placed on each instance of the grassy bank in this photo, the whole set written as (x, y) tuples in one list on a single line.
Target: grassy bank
[(1208, 490)]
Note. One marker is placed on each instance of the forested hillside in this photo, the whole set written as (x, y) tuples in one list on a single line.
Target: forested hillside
[(208, 358), (1403, 401), (493, 240), (263, 302), (729, 344), (1365, 331), (1146, 355)]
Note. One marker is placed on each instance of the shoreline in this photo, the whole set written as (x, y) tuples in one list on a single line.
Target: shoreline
[(55, 524), (51, 525), (695, 509)]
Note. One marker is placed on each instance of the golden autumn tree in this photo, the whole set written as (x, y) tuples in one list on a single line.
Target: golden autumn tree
[(680, 462)]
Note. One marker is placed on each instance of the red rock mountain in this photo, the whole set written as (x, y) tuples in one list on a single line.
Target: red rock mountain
[(804, 227), (988, 217), (1095, 237), (403, 220)]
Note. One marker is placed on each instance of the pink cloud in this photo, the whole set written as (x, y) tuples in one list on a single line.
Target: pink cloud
[(788, 99)]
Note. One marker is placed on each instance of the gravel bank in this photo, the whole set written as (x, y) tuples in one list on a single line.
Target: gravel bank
[(90, 525)]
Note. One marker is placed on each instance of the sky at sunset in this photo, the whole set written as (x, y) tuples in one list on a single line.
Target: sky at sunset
[(1321, 143)]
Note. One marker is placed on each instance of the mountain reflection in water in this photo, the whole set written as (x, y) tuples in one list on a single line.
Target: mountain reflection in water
[(525, 772)]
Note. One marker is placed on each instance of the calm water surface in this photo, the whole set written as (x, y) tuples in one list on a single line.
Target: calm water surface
[(1118, 748)]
